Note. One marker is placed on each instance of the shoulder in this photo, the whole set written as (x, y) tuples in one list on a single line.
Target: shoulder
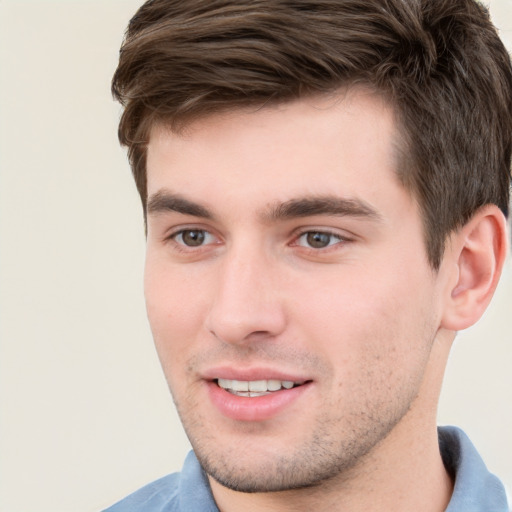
[(158, 496), (179, 492)]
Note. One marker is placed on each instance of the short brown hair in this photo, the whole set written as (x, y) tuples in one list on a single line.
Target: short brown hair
[(440, 63)]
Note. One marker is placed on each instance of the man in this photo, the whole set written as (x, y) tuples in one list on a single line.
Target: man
[(325, 186)]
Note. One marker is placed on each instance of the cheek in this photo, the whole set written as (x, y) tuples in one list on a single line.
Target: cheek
[(174, 304), (368, 323)]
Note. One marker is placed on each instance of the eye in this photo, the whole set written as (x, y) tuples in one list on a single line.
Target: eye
[(193, 237), (318, 239)]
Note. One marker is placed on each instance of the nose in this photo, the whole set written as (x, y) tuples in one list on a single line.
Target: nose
[(247, 305)]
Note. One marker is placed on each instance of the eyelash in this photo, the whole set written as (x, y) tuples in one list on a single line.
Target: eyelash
[(330, 246), (183, 247)]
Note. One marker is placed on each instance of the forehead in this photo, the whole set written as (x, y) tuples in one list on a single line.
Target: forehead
[(343, 144)]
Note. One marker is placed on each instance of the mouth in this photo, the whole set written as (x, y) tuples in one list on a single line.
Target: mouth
[(254, 398), (256, 388)]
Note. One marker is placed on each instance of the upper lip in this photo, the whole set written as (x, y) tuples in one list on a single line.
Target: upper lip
[(251, 374)]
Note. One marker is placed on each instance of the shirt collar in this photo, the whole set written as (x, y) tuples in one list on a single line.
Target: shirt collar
[(475, 488)]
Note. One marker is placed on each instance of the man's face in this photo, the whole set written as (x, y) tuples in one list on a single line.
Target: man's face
[(288, 289)]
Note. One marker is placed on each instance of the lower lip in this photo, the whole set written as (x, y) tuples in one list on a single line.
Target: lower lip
[(254, 409)]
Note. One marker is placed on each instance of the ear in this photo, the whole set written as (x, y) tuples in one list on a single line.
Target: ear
[(478, 251)]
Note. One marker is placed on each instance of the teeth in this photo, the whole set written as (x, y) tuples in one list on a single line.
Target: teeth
[(239, 385), (273, 385), (225, 383), (258, 385), (255, 387)]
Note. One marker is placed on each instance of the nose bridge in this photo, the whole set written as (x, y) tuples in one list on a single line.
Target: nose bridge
[(246, 301)]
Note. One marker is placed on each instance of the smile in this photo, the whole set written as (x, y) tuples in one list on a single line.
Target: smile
[(259, 399), (255, 388)]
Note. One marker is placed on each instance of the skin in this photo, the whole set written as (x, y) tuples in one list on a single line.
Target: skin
[(362, 320)]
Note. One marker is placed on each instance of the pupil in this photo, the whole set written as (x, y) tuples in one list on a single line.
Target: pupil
[(193, 237), (318, 240)]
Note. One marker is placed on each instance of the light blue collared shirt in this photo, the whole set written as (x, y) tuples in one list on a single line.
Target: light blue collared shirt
[(475, 490)]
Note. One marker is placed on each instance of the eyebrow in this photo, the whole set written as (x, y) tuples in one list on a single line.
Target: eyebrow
[(322, 205), (164, 201)]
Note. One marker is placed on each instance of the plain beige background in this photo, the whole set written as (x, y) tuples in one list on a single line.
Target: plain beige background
[(85, 413)]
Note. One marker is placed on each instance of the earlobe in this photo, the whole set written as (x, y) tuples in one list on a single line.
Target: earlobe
[(478, 251)]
